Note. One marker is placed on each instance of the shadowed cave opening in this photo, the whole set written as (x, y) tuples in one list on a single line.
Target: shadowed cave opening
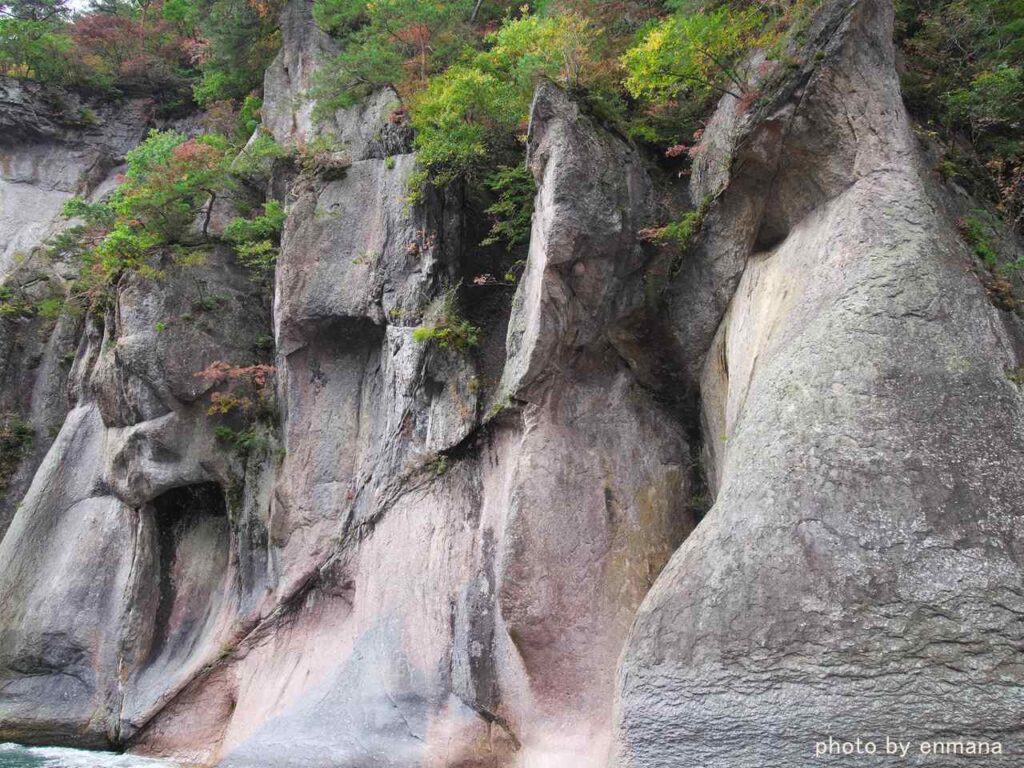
[(191, 537)]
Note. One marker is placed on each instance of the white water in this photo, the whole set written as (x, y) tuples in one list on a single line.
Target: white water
[(15, 756)]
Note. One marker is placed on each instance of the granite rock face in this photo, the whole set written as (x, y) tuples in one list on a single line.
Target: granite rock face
[(53, 146), (432, 570), (490, 557), (451, 590), (859, 574), (115, 565), (115, 549)]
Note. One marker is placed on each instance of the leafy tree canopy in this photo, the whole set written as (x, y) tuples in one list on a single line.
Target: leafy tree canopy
[(176, 51), (35, 10)]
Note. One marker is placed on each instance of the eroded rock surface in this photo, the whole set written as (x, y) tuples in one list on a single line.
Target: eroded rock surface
[(115, 568), (860, 571), (53, 146), (457, 557), (457, 592)]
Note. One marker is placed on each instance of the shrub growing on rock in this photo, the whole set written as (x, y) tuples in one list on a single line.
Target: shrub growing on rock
[(445, 327)]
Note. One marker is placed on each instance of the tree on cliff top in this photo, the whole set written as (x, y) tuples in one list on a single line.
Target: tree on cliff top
[(35, 10), (165, 49)]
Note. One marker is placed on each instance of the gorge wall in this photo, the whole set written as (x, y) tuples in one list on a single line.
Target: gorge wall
[(501, 558)]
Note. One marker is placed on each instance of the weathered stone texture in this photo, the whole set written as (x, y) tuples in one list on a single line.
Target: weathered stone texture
[(859, 573), (490, 558)]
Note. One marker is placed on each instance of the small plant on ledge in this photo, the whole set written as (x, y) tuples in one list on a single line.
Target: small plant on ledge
[(324, 157), (682, 231), (445, 327), (243, 400), (257, 240)]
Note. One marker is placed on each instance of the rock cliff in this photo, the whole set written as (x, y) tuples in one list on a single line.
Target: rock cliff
[(499, 557), (860, 427)]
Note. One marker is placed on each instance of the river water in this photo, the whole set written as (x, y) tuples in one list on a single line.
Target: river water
[(15, 756)]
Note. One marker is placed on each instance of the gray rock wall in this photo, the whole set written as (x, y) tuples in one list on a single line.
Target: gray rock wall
[(453, 587), (490, 557), (859, 574), (53, 146)]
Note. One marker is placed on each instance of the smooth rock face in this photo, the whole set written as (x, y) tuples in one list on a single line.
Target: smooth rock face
[(461, 609), (58, 653), (859, 574), (110, 594), (438, 561), (289, 88), (50, 152), (114, 569), (410, 584), (287, 107)]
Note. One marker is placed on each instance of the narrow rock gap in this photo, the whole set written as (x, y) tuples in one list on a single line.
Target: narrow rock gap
[(175, 513)]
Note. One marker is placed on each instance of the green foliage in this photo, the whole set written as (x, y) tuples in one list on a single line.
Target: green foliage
[(256, 159), (238, 39), (993, 101), (438, 465), (144, 159), (256, 239), (1016, 375), (512, 212), (461, 117), (169, 179), (35, 10), (680, 64), (388, 42), (34, 298), (50, 308), (260, 257), (368, 63), (92, 213), (565, 48), (340, 17), (682, 231), (209, 303), (445, 327), (227, 650), (256, 439), (136, 46), (243, 404), (124, 247), (263, 227), (35, 49), (249, 116), (468, 92), (693, 55), (324, 156), (964, 75), (14, 303), (474, 109), (468, 88), (977, 230), (116, 47)]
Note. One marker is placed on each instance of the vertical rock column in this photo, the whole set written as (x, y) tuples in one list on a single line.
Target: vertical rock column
[(860, 572), (599, 476)]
